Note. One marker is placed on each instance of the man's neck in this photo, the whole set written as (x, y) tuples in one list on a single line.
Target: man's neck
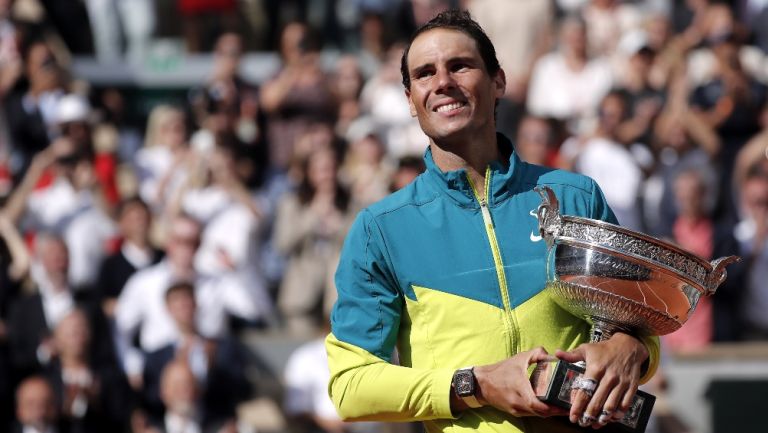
[(472, 155)]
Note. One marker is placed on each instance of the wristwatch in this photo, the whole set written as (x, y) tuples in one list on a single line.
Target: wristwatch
[(464, 386)]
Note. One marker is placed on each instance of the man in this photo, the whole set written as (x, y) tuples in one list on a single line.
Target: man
[(181, 397), (451, 270), (739, 307), (36, 408), (33, 318), (218, 364), (141, 305), (136, 253), (69, 205)]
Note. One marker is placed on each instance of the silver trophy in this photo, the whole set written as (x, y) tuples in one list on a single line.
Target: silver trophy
[(617, 280)]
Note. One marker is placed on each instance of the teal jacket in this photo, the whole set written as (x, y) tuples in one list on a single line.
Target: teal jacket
[(451, 280)]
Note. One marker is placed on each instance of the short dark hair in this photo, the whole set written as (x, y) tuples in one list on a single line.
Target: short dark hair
[(131, 201), (180, 287), (462, 21)]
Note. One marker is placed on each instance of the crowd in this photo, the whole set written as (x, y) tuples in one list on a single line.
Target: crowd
[(136, 249)]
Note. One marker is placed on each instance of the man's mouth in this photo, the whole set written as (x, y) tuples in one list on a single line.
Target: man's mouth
[(450, 107)]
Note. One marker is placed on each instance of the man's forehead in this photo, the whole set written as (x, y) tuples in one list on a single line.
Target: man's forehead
[(441, 43)]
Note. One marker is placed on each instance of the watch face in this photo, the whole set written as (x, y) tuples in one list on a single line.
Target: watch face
[(464, 383)]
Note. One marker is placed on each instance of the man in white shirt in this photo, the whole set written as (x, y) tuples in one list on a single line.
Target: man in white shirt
[(566, 84), (141, 305)]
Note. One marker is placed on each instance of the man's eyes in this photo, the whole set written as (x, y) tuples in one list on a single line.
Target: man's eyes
[(424, 73), (428, 72)]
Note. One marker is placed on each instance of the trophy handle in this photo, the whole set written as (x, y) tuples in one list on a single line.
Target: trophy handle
[(718, 274), (550, 222)]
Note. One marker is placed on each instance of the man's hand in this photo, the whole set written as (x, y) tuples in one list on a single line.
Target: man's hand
[(507, 387), (615, 364)]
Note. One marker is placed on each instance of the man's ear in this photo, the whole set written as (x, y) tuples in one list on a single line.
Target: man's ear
[(500, 81), (411, 105)]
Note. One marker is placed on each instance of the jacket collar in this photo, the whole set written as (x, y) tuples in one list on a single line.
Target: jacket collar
[(456, 185)]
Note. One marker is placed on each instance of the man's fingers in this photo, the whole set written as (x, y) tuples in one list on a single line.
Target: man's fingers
[(574, 355)]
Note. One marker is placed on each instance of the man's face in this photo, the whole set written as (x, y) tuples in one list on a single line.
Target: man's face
[(182, 244), (35, 404), (72, 335), (754, 196), (54, 256), (181, 306), (451, 92)]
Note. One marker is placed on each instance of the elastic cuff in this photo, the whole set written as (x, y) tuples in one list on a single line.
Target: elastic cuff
[(441, 393), (652, 363)]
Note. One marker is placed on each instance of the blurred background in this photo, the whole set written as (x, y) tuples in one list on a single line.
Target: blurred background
[(177, 176)]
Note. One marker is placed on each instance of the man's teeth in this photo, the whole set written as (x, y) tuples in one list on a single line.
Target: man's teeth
[(449, 107)]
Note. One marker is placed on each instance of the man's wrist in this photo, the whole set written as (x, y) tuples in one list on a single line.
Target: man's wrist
[(642, 352), (480, 379), (464, 387)]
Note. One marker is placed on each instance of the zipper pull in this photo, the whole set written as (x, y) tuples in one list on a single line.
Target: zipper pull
[(486, 213)]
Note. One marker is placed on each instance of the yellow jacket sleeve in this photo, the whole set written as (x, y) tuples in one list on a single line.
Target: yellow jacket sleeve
[(364, 387)]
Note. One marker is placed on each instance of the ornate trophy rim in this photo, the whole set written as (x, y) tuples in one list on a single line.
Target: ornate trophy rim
[(607, 237)]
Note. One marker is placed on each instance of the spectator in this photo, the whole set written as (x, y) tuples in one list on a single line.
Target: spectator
[(310, 226), (306, 401), (36, 408), (521, 32), (535, 141), (184, 411), (408, 168), (31, 110), (161, 163), (228, 102), (382, 101), (231, 216), (682, 141), (92, 396), (347, 83), (34, 317), (298, 96), (740, 304), (141, 306), (567, 84), (367, 170), (71, 206), (74, 119), (217, 364), (619, 168), (136, 253), (607, 21), (14, 267), (753, 153), (645, 100), (731, 103), (694, 231), (10, 57)]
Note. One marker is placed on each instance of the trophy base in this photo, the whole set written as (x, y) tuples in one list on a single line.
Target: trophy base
[(552, 384)]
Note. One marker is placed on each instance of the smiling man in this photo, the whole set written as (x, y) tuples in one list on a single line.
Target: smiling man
[(449, 271)]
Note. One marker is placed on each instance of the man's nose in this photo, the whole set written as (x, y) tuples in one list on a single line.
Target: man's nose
[(445, 79)]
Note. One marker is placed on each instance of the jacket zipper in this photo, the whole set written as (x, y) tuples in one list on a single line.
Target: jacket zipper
[(496, 252)]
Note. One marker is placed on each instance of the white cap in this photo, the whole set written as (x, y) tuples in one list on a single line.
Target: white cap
[(72, 108), (632, 42), (361, 128)]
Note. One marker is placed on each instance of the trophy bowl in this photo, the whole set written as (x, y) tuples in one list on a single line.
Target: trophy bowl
[(617, 280), (620, 279)]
